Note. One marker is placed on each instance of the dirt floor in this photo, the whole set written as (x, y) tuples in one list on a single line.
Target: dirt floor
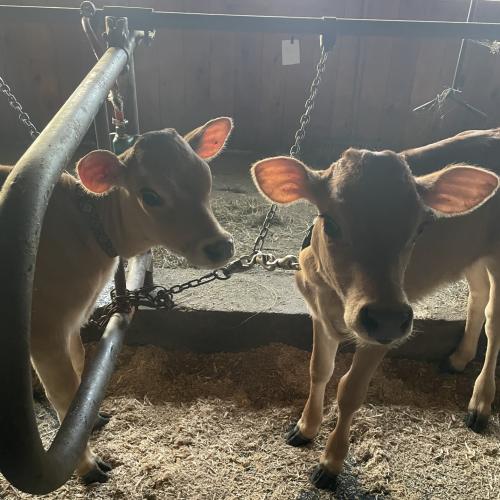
[(189, 426)]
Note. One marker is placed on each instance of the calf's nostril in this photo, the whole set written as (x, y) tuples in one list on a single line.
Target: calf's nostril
[(219, 250), (386, 323), (368, 320)]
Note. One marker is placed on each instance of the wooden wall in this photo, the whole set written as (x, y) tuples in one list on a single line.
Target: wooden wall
[(185, 78)]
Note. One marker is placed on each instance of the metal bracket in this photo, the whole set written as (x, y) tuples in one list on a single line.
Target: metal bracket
[(329, 36), (117, 33)]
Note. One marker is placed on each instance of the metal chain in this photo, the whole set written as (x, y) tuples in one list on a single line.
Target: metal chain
[(23, 117), (299, 138), (309, 105)]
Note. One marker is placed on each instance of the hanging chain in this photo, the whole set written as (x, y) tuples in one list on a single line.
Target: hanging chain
[(294, 153), (309, 105), (23, 117)]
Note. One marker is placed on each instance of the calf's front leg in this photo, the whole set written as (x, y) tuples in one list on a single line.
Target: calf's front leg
[(479, 292), (484, 387), (58, 360), (351, 394), (321, 368)]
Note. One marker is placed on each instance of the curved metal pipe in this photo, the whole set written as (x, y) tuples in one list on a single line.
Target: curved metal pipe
[(23, 202)]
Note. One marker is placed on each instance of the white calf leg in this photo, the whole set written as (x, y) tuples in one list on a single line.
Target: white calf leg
[(484, 387), (320, 371), (479, 292), (351, 394)]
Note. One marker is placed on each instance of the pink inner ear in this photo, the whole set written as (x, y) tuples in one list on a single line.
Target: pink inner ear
[(460, 189), (213, 138), (98, 171), (282, 180)]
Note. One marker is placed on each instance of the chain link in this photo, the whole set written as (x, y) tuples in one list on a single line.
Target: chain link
[(309, 105), (299, 138), (23, 117)]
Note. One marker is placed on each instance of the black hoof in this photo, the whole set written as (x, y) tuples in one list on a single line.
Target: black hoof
[(96, 475), (101, 420), (322, 479), (105, 467), (476, 422), (446, 367), (295, 438)]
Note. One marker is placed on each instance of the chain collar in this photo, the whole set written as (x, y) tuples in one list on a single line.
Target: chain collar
[(88, 208)]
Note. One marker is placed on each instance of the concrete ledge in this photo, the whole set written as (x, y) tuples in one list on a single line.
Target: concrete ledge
[(259, 308)]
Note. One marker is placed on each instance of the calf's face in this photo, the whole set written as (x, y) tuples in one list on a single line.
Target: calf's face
[(165, 183), (371, 212)]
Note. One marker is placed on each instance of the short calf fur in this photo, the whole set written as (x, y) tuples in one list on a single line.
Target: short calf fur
[(382, 239), (155, 193)]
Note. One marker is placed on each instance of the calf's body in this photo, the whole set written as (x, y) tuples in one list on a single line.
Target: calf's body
[(156, 193), (383, 239)]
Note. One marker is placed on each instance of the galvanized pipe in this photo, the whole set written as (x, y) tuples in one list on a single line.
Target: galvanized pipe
[(23, 202), (140, 19)]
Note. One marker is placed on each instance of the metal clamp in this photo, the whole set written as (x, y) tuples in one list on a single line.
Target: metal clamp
[(117, 33), (329, 36)]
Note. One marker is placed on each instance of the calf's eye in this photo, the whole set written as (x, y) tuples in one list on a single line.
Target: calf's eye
[(331, 228), (151, 198)]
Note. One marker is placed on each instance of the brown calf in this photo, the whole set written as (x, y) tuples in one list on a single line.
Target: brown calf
[(155, 193), (384, 238)]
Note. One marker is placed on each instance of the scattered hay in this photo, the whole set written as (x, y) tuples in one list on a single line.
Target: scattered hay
[(188, 426)]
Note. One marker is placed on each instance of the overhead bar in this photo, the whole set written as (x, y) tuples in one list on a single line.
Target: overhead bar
[(140, 19)]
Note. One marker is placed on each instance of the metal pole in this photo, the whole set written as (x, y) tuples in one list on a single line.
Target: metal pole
[(23, 460), (143, 19), (461, 53)]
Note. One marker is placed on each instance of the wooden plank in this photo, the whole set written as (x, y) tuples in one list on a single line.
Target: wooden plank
[(396, 102), (375, 53), (347, 85), (271, 100), (248, 84)]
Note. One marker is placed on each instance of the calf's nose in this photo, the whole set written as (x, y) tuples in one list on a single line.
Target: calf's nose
[(386, 324), (220, 250)]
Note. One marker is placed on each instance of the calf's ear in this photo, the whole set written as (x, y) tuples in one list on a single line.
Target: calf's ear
[(283, 180), (99, 171), (209, 140), (457, 189)]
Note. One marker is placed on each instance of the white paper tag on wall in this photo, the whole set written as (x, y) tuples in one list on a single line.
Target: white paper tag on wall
[(290, 52)]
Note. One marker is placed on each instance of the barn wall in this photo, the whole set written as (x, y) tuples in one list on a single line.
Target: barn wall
[(187, 77)]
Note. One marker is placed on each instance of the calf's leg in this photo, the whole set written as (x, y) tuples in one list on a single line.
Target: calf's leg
[(320, 370), (52, 359), (479, 292), (351, 394), (484, 387)]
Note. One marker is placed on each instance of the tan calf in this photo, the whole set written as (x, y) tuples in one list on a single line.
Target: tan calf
[(156, 193), (383, 239)]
